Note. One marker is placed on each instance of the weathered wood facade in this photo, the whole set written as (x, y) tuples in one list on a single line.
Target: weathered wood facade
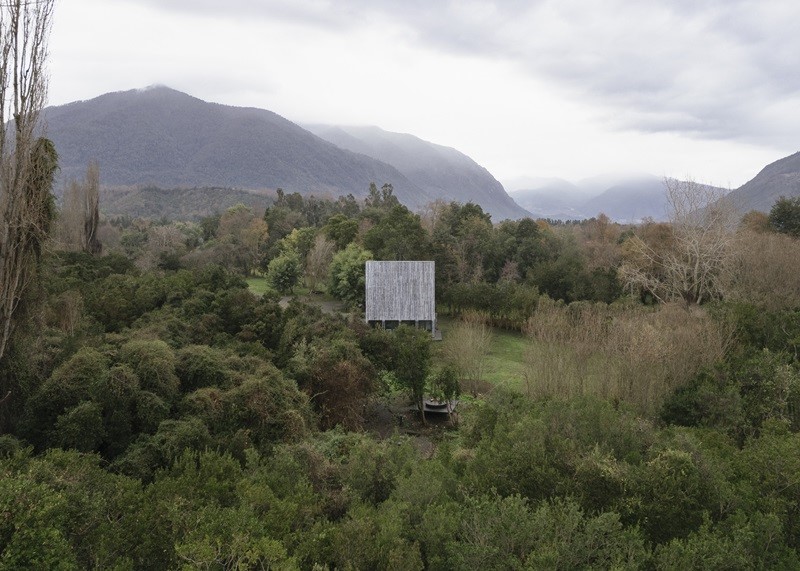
[(401, 292)]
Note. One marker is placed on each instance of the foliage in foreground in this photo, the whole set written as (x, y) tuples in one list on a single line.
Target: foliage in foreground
[(168, 418), (557, 485)]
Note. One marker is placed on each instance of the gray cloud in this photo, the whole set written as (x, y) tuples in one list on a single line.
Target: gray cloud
[(712, 69)]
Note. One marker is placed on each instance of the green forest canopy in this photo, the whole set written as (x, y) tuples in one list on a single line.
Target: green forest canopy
[(160, 415)]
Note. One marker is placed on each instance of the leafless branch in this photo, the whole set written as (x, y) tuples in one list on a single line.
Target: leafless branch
[(27, 162)]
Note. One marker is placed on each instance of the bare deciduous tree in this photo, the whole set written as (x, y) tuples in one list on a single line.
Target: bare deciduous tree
[(432, 213), (91, 210), (318, 262), (27, 162), (162, 242), (246, 235), (69, 309), (68, 229), (599, 240), (703, 222), (80, 216)]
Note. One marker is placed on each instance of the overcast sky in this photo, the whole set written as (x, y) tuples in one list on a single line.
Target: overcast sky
[(562, 88)]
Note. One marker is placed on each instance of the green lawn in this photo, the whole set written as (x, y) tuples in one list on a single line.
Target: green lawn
[(258, 285), (504, 364)]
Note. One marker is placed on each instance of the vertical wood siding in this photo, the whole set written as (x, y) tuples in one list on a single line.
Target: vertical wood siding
[(400, 291)]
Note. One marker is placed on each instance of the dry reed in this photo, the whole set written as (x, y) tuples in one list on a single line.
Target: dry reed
[(631, 354)]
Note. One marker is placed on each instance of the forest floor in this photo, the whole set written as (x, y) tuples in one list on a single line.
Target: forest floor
[(395, 416)]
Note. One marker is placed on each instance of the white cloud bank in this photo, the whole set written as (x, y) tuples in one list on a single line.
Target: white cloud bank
[(563, 88)]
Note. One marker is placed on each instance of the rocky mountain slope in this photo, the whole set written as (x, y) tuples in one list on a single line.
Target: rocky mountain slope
[(781, 178)]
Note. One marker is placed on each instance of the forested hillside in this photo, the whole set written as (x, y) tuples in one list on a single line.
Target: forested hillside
[(157, 413), (159, 137), (177, 203), (440, 171), (162, 137)]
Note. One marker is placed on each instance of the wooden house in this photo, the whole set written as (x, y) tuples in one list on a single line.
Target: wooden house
[(401, 292)]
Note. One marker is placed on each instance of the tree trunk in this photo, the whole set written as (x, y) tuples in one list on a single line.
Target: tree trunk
[(27, 164)]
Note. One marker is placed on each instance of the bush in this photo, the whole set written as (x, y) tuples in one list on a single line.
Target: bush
[(70, 384), (506, 533), (742, 542), (81, 428), (346, 279), (200, 366), (739, 396), (674, 496), (784, 216), (283, 272), (153, 361)]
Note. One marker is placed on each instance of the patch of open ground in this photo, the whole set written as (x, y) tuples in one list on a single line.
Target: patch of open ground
[(389, 416), (259, 286), (505, 363)]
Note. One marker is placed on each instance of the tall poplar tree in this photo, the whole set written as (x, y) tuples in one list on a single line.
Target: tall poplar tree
[(27, 161)]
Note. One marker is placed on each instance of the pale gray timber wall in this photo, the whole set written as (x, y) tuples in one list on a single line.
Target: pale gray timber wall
[(400, 291)]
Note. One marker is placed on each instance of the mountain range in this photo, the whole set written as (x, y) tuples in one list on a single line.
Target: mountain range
[(149, 140), (624, 198), (631, 198), (439, 171), (162, 137), (781, 178)]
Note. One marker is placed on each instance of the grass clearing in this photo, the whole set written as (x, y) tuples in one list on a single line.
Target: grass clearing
[(258, 285), (504, 364)]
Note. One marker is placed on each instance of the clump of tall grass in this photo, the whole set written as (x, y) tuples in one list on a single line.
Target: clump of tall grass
[(623, 353), (465, 348)]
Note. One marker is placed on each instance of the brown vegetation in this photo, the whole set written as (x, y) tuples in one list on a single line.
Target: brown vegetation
[(632, 354), (318, 261), (80, 216), (687, 262), (763, 271), (465, 347)]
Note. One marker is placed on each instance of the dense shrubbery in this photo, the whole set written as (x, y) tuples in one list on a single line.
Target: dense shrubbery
[(162, 416), (558, 484)]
